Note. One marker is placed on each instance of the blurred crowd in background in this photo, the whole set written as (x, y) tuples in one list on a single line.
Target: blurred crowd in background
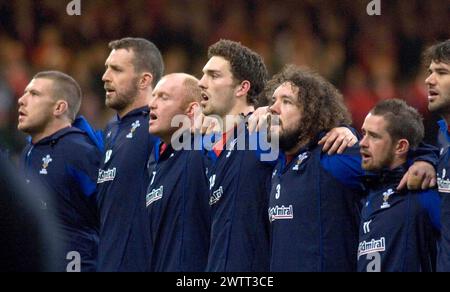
[(368, 58)]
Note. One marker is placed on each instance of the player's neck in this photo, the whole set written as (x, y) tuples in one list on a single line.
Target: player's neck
[(296, 149), (234, 117), (397, 162), (446, 117), (49, 130), (139, 102)]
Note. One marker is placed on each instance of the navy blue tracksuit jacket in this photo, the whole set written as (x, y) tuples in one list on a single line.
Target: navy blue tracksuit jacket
[(177, 201), (122, 183), (314, 210), (239, 188), (443, 174), (398, 230), (315, 216), (66, 164)]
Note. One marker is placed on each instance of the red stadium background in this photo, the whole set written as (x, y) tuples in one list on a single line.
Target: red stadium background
[(368, 57)]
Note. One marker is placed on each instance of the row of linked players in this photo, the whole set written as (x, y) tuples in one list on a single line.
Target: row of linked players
[(181, 179)]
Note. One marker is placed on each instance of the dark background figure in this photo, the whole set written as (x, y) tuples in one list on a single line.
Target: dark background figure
[(27, 242)]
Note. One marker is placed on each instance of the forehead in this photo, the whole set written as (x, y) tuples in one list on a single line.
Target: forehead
[(40, 84), (120, 57), (172, 85), (375, 123), (286, 89), (439, 65), (217, 63)]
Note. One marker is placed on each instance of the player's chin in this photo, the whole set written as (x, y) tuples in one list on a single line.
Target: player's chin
[(153, 129), (368, 166), (22, 127)]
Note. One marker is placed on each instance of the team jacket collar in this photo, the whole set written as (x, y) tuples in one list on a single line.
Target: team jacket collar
[(136, 112), (443, 128), (307, 148), (58, 135), (384, 176)]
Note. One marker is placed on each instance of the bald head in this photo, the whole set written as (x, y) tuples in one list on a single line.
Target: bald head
[(175, 95), (186, 84)]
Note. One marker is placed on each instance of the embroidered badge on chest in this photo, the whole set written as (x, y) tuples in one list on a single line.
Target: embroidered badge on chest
[(46, 161), (443, 182), (386, 196), (301, 158), (134, 126)]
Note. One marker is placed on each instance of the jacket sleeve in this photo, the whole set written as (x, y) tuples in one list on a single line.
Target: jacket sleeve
[(83, 168), (424, 152), (95, 136), (431, 202), (346, 167)]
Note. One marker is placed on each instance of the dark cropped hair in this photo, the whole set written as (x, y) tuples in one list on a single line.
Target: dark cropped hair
[(439, 53), (322, 104), (147, 57), (245, 65), (403, 121), (66, 88)]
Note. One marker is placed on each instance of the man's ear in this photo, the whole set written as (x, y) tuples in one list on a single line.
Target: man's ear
[(243, 88), (145, 81), (192, 108), (61, 108), (402, 147)]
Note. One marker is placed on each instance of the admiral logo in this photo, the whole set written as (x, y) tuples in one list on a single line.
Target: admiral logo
[(153, 177), (106, 175), (274, 173), (443, 182), (281, 213), (232, 144), (108, 156), (215, 197), (212, 181), (371, 246), (134, 126), (366, 226), (47, 159), (154, 195)]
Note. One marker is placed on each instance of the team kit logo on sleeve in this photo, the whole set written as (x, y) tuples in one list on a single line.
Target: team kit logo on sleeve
[(443, 182), (46, 161)]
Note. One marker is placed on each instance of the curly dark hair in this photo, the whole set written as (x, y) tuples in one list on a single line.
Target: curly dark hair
[(322, 104), (438, 53), (245, 65)]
